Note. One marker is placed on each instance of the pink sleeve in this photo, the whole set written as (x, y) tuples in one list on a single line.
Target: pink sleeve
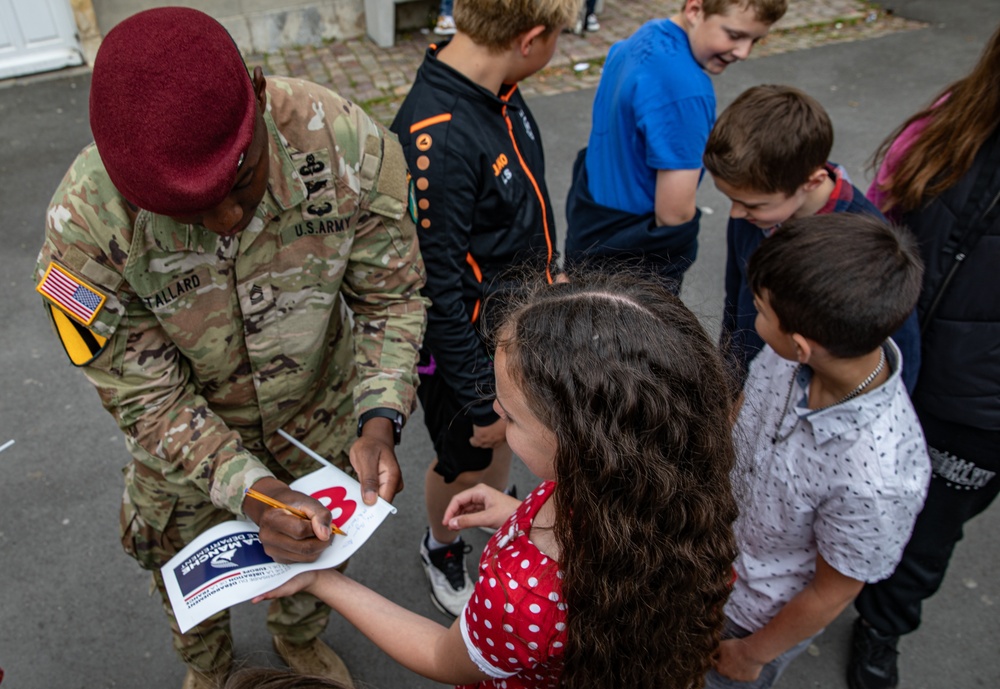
[(892, 157)]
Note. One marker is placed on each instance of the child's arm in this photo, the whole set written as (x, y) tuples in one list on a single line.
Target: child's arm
[(417, 643), (803, 616), (489, 437), (675, 192)]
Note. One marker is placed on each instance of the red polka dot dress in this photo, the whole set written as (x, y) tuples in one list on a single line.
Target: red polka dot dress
[(514, 625)]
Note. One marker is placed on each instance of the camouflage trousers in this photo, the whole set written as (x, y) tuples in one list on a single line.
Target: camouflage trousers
[(157, 520)]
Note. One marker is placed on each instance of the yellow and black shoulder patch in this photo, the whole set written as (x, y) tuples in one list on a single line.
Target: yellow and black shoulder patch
[(82, 345)]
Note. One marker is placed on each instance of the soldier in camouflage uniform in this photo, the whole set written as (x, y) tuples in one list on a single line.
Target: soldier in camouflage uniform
[(288, 301)]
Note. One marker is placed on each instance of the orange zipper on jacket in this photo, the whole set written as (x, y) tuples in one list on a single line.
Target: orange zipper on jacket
[(531, 177)]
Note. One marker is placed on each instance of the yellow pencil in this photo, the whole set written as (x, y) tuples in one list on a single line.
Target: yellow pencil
[(277, 504)]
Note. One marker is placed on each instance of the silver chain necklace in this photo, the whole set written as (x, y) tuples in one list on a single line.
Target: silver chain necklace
[(778, 437)]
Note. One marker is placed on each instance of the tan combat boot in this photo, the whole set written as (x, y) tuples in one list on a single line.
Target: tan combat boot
[(314, 658)]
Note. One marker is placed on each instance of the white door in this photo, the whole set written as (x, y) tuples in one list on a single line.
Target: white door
[(37, 36)]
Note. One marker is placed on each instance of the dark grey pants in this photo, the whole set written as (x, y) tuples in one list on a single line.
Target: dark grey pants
[(966, 462)]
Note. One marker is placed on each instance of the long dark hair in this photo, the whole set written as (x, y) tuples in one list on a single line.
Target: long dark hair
[(959, 121), (273, 678), (636, 395)]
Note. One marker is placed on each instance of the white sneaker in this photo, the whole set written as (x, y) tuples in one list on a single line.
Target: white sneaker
[(592, 23), (445, 25), (451, 587)]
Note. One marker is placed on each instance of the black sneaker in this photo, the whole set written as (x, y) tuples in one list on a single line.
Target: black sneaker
[(872, 664), (451, 587)]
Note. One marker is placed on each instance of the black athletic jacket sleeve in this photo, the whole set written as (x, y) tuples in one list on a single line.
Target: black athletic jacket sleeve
[(477, 168)]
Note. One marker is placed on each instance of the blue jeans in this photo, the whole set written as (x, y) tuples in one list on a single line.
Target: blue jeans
[(768, 675), (446, 8)]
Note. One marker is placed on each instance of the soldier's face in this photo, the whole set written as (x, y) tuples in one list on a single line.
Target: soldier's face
[(236, 211)]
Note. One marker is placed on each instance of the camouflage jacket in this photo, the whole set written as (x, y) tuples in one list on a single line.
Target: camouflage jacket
[(204, 346)]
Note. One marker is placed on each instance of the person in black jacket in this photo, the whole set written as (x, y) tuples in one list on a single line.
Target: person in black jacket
[(940, 175), (482, 207)]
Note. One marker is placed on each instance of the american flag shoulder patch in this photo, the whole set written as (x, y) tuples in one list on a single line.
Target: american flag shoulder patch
[(72, 295)]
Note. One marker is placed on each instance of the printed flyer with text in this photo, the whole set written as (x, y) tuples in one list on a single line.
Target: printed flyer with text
[(227, 564)]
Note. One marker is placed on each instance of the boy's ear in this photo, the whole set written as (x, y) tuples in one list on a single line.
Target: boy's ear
[(693, 11), (526, 40), (817, 178), (804, 348)]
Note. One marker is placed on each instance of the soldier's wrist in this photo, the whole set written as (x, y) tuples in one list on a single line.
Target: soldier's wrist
[(381, 423), (254, 509)]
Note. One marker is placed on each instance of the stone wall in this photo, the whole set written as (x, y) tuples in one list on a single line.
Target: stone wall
[(266, 25)]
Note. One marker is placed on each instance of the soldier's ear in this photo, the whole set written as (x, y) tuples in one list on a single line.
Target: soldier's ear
[(260, 89)]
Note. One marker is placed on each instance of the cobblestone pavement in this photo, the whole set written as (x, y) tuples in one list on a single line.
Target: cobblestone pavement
[(379, 78)]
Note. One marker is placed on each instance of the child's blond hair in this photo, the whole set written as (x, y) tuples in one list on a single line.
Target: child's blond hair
[(496, 23)]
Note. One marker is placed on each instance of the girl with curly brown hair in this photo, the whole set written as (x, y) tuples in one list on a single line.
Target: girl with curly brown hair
[(274, 678), (614, 571)]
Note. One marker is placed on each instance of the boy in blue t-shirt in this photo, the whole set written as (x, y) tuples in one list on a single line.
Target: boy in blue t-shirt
[(633, 191), (768, 153)]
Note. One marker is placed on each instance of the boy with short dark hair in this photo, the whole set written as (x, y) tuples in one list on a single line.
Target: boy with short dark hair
[(768, 153), (831, 452), (476, 158), (633, 190)]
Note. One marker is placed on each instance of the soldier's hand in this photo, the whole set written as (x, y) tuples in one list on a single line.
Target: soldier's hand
[(373, 457), (285, 537)]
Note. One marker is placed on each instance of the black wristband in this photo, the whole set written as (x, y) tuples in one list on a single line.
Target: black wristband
[(386, 413)]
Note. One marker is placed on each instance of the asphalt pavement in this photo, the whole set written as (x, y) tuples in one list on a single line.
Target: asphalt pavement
[(75, 611)]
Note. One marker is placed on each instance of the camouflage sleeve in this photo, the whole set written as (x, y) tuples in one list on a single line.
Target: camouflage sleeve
[(142, 380), (383, 278)]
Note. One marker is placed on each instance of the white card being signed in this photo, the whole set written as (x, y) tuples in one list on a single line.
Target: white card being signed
[(227, 564)]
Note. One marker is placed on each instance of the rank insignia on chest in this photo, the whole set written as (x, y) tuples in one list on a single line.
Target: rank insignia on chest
[(71, 295)]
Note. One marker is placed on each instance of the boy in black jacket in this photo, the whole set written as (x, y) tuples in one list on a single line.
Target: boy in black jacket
[(476, 159)]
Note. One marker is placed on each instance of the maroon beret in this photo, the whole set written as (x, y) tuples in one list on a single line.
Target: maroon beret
[(172, 110)]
